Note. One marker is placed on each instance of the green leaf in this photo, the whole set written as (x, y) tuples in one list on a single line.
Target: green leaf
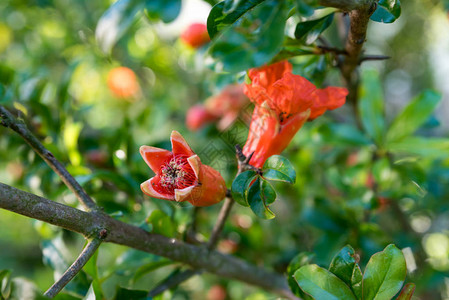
[(304, 8), (128, 294), (371, 106), (384, 274), (292, 48), (116, 21), (94, 292), (226, 13), (407, 292), (5, 284), (258, 198), (162, 224), (345, 135), (267, 192), (345, 267), (322, 284), (150, 267), (278, 168), (387, 11), (91, 266), (252, 40), (421, 146), (343, 264), (413, 116), (297, 262), (240, 185), (166, 10), (356, 282), (307, 32)]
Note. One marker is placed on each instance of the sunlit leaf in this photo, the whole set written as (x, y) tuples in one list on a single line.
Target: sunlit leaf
[(322, 284), (384, 274)]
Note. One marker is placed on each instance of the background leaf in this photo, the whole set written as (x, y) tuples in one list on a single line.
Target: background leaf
[(253, 40), (413, 116), (371, 106), (308, 31), (165, 10)]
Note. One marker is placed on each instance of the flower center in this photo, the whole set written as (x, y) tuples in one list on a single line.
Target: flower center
[(176, 174)]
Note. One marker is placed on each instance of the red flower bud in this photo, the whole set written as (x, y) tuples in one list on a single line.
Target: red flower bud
[(122, 82), (195, 35), (180, 175), (198, 116), (284, 102)]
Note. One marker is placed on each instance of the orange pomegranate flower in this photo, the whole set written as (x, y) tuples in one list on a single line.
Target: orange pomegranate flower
[(180, 175), (284, 102)]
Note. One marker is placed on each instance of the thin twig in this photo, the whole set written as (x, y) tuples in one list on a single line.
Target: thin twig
[(218, 228), (9, 121), (373, 57), (173, 281), (75, 268)]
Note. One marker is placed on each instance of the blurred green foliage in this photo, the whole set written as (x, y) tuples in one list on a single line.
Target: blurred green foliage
[(384, 181)]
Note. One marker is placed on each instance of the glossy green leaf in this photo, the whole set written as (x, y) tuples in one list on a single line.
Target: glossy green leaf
[(371, 106), (413, 116), (356, 282), (267, 192), (407, 292), (307, 32), (226, 13), (165, 10), (278, 168), (258, 200), (240, 185), (116, 21), (162, 223), (302, 259), (253, 40), (384, 274), (343, 264), (5, 284), (421, 146), (387, 11), (322, 284)]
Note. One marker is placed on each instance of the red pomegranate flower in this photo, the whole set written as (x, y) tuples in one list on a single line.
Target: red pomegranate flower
[(195, 35), (180, 175), (284, 102)]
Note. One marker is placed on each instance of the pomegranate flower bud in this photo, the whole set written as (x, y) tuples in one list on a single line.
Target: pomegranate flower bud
[(195, 35), (198, 116), (180, 175)]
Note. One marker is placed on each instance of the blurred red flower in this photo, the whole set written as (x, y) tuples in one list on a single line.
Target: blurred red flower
[(195, 35)]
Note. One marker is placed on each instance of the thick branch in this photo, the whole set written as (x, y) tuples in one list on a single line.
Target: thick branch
[(124, 234), (8, 120), (75, 268)]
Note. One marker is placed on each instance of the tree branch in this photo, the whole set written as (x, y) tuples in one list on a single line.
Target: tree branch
[(8, 120), (75, 268), (218, 228), (121, 233)]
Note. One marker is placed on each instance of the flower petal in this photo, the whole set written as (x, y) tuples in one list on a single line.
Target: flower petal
[(155, 157), (179, 144), (182, 195), (150, 187), (328, 98), (195, 162)]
